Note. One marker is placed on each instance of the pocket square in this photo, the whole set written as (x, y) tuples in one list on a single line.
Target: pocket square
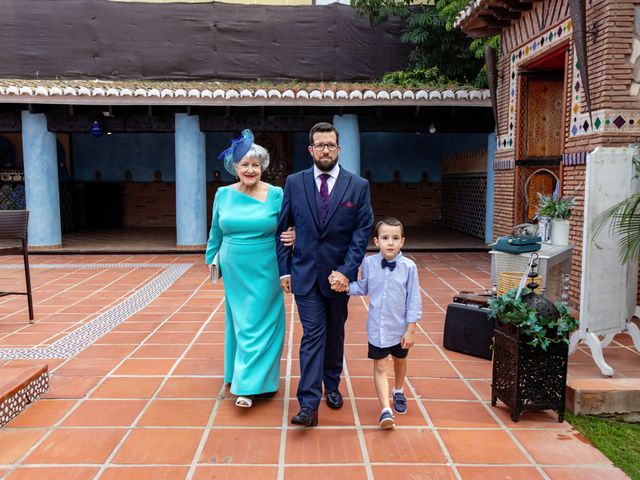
[(348, 205)]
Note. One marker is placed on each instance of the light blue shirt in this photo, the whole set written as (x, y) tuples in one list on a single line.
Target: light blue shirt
[(394, 298)]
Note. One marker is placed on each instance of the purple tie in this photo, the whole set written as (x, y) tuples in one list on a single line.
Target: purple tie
[(324, 196)]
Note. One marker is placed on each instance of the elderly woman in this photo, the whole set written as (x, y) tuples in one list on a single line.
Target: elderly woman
[(243, 227)]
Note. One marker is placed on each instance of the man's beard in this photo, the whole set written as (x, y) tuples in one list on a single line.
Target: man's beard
[(323, 165)]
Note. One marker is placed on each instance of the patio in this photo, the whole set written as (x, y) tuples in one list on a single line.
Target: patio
[(134, 349)]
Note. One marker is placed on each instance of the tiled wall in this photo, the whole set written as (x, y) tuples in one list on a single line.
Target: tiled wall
[(464, 203)]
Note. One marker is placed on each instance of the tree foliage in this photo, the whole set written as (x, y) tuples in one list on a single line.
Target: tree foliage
[(437, 44)]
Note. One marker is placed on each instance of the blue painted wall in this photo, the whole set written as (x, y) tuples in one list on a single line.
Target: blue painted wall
[(382, 154), (142, 153)]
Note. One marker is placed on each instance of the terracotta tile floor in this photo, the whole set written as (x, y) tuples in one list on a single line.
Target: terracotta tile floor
[(146, 400), (163, 240)]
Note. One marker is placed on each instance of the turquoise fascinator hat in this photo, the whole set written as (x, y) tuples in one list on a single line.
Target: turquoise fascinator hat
[(238, 149)]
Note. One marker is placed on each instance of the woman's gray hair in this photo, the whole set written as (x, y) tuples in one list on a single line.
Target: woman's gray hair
[(259, 152)]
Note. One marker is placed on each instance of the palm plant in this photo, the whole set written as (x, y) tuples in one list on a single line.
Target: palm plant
[(624, 220)]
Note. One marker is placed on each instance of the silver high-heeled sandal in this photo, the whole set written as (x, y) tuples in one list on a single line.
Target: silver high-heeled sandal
[(244, 402)]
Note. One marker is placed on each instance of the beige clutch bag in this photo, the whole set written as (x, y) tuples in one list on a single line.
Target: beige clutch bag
[(215, 270)]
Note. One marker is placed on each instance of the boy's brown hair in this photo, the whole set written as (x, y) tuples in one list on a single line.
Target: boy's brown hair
[(392, 222)]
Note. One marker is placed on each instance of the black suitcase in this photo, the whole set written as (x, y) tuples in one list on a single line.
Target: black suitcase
[(472, 298), (468, 330)]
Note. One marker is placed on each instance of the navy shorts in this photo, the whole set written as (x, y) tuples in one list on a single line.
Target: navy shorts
[(377, 353)]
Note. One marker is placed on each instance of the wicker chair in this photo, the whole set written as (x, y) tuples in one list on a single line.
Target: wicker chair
[(13, 226)]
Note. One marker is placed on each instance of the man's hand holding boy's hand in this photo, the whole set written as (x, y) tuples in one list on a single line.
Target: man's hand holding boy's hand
[(338, 282), (407, 339)]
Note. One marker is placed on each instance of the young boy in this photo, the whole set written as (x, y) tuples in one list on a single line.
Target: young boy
[(395, 305)]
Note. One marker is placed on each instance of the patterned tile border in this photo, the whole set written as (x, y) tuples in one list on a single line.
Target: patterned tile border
[(543, 42), (609, 121), (10, 407), (504, 164), (577, 158), (79, 339)]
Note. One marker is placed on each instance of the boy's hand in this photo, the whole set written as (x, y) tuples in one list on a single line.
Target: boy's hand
[(407, 340), (339, 283), (285, 284)]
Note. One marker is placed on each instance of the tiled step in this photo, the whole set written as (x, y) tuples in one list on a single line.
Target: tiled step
[(19, 386), (604, 396)]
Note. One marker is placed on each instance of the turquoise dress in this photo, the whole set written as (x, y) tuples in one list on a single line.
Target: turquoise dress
[(243, 232)]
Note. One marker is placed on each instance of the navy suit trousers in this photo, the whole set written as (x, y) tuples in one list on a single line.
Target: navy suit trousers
[(322, 345)]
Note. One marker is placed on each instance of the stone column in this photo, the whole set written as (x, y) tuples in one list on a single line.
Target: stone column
[(41, 182), (191, 183), (347, 126), (491, 155)]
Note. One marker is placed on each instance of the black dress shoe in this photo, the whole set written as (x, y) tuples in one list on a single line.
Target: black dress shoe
[(306, 417), (334, 399)]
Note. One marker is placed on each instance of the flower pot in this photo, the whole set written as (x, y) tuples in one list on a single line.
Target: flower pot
[(559, 232), (544, 229)]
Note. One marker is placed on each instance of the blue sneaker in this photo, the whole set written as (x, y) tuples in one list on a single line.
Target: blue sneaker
[(400, 403), (387, 421)]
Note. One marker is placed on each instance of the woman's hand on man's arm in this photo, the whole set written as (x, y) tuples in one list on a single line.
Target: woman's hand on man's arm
[(288, 237)]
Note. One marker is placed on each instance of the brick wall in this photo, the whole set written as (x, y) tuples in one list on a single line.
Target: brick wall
[(611, 75), (573, 184), (154, 204), (504, 202), (148, 204), (414, 204)]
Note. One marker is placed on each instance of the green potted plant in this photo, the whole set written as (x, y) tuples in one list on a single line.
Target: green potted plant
[(536, 329), (530, 352), (558, 208)]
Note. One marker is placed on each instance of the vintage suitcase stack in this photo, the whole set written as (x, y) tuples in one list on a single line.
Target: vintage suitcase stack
[(467, 328)]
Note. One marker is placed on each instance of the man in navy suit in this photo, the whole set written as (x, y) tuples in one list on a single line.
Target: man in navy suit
[(330, 209)]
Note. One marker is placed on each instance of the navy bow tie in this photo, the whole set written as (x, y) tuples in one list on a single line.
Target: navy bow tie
[(386, 264)]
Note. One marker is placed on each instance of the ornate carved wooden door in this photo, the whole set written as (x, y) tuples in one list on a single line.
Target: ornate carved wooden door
[(542, 140)]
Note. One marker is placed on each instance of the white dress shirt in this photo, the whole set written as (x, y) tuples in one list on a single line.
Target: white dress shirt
[(333, 176)]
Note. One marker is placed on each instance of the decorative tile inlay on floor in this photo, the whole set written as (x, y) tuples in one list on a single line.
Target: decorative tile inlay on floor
[(15, 403), (79, 339)]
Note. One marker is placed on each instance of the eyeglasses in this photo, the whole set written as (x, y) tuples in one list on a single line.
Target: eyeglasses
[(318, 147)]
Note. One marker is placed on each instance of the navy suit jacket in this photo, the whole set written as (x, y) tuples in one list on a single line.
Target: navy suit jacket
[(339, 244)]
